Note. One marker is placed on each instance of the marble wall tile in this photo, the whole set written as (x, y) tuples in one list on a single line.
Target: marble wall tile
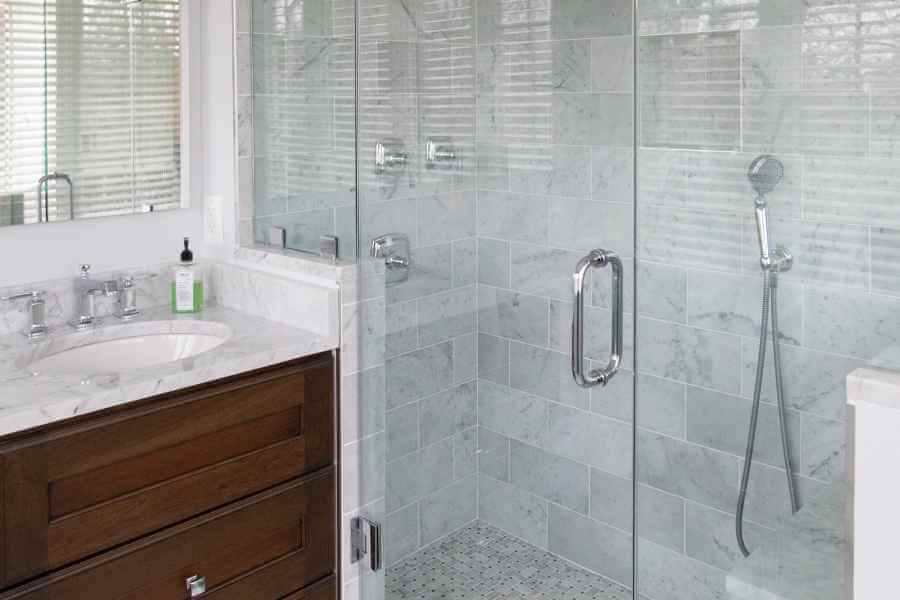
[(418, 474), (402, 430), (447, 413), (286, 16), (363, 327), (687, 470), (511, 118), (514, 510), (448, 509), (464, 357), (542, 271), (551, 170), (824, 448), (852, 323), (362, 404), (379, 218), (710, 537), (493, 358), (771, 58), (814, 382), (689, 238), (662, 291), (567, 19), (534, 67), (592, 119), (885, 124), (418, 374), (682, 353), (465, 262), (401, 534), (589, 438), (363, 472), (552, 477), (545, 373), (612, 174), (721, 422), (429, 273), (767, 497), (516, 217), (826, 253), (493, 262), (663, 573), (601, 548), (465, 453), (446, 217), (733, 304), (611, 499), (493, 454), (586, 224), (447, 315), (792, 122), (714, 181), (597, 333), (401, 321), (612, 64), (830, 183), (511, 413), (661, 402), (512, 315), (692, 16), (245, 125), (690, 86)]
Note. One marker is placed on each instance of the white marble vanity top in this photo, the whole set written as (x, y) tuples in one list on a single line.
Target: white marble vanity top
[(29, 400), (874, 386)]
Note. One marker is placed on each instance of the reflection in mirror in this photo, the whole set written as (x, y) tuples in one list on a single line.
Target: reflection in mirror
[(90, 108)]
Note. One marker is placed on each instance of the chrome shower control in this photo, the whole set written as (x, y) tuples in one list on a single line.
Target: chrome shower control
[(394, 249), (390, 156), (439, 152)]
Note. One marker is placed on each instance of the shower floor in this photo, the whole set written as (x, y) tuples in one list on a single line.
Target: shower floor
[(481, 561)]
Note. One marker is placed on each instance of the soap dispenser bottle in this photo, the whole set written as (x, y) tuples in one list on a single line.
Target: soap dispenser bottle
[(187, 283)]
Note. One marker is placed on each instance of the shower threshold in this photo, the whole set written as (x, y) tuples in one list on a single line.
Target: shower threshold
[(481, 561)]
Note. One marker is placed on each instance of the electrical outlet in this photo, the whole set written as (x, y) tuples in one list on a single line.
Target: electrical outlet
[(213, 221)]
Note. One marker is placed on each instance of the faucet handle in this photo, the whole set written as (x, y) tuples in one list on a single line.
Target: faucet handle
[(85, 271), (35, 295)]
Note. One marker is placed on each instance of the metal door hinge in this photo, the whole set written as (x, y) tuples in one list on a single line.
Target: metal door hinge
[(365, 540)]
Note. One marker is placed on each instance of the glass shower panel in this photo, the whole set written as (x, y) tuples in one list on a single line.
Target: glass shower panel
[(302, 114), (814, 85), (495, 138)]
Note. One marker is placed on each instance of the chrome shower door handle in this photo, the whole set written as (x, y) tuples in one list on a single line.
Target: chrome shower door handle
[(598, 258)]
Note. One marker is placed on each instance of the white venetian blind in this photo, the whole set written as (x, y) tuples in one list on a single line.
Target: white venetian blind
[(91, 88)]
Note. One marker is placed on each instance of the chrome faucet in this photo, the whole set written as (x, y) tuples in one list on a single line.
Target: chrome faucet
[(44, 199), (37, 329), (127, 292), (86, 290)]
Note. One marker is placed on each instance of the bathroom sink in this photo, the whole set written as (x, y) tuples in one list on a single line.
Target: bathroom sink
[(123, 348)]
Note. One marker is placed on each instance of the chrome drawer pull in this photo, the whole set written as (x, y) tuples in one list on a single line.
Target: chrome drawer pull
[(196, 586), (597, 258)]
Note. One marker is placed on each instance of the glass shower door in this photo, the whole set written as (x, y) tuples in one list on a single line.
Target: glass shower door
[(495, 143)]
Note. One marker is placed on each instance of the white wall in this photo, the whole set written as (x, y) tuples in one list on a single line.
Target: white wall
[(32, 253)]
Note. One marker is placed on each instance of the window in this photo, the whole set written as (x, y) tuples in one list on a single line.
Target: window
[(92, 89)]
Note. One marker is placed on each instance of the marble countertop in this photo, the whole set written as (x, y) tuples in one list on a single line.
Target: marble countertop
[(874, 386), (30, 400)]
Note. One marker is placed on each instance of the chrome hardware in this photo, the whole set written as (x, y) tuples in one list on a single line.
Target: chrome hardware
[(598, 258), (86, 290), (394, 249), (390, 156), (195, 586), (37, 329), (328, 247), (365, 539), (127, 292), (438, 151), (45, 200)]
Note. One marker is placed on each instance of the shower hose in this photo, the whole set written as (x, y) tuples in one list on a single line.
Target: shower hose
[(769, 302)]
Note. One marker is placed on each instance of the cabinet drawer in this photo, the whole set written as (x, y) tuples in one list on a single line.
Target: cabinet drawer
[(264, 547), (79, 490)]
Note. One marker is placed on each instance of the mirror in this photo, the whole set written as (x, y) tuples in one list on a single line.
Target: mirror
[(90, 108)]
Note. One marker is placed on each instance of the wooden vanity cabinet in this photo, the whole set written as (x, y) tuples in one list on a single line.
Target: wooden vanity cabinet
[(233, 481)]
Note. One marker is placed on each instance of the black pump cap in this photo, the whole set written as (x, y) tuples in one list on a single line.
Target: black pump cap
[(186, 254)]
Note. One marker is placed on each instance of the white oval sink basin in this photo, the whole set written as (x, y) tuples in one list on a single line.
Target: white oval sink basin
[(123, 348)]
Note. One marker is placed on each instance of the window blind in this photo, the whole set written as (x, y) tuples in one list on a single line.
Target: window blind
[(92, 88)]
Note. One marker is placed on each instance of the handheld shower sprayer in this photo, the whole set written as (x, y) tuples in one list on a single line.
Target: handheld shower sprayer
[(765, 173)]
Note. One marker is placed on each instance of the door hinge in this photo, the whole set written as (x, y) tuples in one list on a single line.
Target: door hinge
[(365, 540)]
